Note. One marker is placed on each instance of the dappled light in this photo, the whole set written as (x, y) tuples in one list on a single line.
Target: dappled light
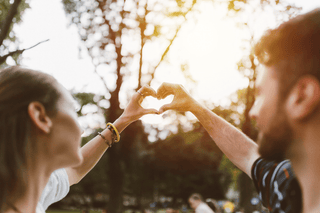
[(110, 50)]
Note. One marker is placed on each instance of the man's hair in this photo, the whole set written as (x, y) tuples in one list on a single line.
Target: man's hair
[(18, 88), (196, 196), (294, 49)]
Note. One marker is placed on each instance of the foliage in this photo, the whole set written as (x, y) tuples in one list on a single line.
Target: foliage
[(4, 8), (116, 35), (186, 161), (250, 13), (10, 42), (109, 31)]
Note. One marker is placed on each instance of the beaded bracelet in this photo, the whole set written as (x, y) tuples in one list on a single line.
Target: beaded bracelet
[(105, 140), (115, 133)]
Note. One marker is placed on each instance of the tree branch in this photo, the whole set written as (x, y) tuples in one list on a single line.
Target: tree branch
[(95, 70), (171, 41), (4, 58), (142, 43), (7, 22)]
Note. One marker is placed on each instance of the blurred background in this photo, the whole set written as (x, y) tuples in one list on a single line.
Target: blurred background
[(105, 50)]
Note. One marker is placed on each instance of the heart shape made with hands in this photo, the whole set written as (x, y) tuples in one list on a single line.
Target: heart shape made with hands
[(150, 102)]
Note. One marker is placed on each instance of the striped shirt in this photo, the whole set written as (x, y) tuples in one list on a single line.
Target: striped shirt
[(277, 186)]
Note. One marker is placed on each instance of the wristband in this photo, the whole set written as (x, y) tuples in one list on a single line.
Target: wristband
[(114, 131), (105, 140)]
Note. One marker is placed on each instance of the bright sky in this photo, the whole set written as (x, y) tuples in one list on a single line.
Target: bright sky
[(212, 52)]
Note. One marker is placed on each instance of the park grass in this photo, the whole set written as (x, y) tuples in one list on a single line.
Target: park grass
[(93, 211), (75, 211)]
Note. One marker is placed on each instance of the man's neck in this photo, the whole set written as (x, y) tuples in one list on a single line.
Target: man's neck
[(305, 158)]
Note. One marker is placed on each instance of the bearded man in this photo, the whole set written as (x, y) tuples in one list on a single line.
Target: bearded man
[(287, 112)]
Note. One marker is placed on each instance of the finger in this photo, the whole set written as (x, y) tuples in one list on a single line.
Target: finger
[(148, 91), (136, 95), (150, 111), (164, 90), (163, 87), (140, 100), (164, 95), (153, 93), (165, 108)]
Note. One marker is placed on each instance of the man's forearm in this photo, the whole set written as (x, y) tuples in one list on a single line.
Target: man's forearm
[(240, 149)]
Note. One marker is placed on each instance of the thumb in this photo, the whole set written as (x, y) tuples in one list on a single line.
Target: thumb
[(150, 111), (165, 108)]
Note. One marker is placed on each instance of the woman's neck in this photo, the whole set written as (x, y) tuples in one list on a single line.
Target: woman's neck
[(37, 179)]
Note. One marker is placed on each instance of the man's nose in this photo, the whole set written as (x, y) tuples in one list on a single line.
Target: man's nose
[(253, 112)]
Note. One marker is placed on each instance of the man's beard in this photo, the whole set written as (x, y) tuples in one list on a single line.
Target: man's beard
[(274, 144)]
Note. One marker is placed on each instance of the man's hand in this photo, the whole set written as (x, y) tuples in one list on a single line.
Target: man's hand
[(240, 149), (182, 100)]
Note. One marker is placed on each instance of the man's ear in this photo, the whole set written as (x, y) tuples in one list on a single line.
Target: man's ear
[(39, 117), (304, 97)]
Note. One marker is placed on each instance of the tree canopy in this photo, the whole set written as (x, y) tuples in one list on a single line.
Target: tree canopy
[(10, 15), (127, 41)]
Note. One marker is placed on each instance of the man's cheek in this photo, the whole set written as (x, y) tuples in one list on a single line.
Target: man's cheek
[(258, 110), (258, 104)]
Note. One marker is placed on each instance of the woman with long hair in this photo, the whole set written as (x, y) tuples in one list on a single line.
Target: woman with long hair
[(40, 153)]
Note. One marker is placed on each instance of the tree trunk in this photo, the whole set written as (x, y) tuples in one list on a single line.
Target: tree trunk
[(246, 192), (245, 183), (6, 23), (116, 179), (116, 168)]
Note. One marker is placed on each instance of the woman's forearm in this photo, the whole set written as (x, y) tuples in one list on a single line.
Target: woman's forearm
[(93, 151)]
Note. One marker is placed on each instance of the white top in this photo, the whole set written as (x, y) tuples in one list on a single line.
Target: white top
[(203, 208), (56, 189)]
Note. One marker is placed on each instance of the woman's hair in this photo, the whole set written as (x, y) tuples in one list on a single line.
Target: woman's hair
[(18, 88)]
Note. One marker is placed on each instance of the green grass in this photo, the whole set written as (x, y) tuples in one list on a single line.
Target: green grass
[(92, 211), (76, 211), (62, 211)]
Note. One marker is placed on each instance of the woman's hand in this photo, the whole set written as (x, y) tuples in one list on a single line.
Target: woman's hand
[(134, 110)]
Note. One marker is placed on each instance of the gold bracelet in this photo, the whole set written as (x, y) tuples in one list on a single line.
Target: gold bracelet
[(105, 140), (115, 132)]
